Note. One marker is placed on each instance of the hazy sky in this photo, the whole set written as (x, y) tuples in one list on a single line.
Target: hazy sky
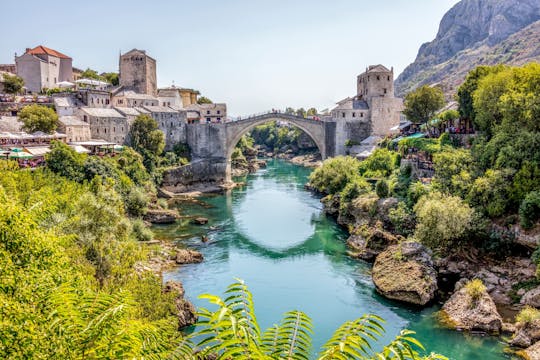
[(252, 54)]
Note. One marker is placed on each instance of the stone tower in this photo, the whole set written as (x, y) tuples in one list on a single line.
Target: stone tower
[(377, 81), (138, 72)]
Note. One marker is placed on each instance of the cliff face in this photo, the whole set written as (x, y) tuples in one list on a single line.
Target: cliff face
[(472, 33)]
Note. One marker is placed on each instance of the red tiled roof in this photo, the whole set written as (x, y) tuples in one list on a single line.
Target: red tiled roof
[(40, 50)]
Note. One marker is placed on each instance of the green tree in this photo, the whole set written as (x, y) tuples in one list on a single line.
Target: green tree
[(469, 86), (290, 110), (335, 174), (112, 78), (91, 74), (301, 112), (203, 100), (422, 104), (38, 118), (441, 220), (449, 115), (13, 84), (145, 136), (312, 112), (232, 331), (65, 161), (453, 169)]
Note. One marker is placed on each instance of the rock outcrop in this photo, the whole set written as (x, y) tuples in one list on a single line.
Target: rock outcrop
[(186, 311), (405, 272), (160, 216), (531, 298), (463, 312), (368, 242), (531, 353), (185, 256), (475, 32), (526, 334)]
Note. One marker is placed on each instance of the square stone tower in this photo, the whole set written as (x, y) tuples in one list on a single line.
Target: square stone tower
[(377, 81), (138, 72)]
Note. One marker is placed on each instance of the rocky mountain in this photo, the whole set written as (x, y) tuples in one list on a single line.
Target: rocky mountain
[(472, 33)]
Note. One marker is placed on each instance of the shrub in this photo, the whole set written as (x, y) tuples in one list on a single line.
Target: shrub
[(353, 189), (136, 202), (334, 174), (140, 231), (402, 219), (529, 211), (442, 220), (381, 188), (162, 203), (415, 192), (379, 164), (527, 315), (475, 289)]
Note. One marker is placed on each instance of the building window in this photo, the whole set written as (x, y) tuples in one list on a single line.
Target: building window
[(384, 91), (85, 118), (388, 78), (97, 130), (218, 119), (106, 101), (378, 77), (208, 120), (171, 124), (219, 112), (105, 130), (207, 112), (114, 129), (122, 129), (342, 114), (361, 114), (353, 114)]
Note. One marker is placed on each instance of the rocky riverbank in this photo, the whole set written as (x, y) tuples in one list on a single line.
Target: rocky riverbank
[(407, 272)]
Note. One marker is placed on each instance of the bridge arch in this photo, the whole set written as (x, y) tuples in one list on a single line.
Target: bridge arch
[(315, 129)]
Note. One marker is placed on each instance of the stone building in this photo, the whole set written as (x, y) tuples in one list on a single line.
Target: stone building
[(42, 67), (177, 98), (171, 122), (10, 68), (373, 111), (94, 98), (129, 98), (106, 124), (65, 105), (74, 128), (207, 113), (138, 72)]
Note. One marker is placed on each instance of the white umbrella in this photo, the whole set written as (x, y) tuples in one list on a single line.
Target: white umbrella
[(65, 84)]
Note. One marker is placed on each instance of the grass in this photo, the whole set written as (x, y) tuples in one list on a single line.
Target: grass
[(475, 288), (527, 315)]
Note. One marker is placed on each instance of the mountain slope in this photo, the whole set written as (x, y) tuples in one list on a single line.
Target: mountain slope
[(472, 33)]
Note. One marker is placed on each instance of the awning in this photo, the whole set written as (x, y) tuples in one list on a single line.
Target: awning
[(38, 150), (20, 155), (80, 149), (65, 84)]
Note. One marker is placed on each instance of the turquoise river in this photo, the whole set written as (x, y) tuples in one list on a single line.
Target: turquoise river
[(273, 234)]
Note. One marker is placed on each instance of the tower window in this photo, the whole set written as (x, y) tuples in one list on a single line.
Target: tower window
[(378, 77), (384, 91), (342, 114), (353, 114), (362, 114), (388, 78)]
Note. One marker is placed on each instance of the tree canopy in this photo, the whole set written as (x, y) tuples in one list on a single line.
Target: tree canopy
[(38, 118), (145, 136), (13, 84), (203, 100), (422, 104)]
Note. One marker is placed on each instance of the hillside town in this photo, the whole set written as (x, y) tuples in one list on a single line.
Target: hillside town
[(95, 114)]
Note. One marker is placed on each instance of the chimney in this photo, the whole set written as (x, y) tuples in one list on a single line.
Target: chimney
[(27, 49)]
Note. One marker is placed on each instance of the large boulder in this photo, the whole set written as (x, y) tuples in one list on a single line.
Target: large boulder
[(477, 312), (405, 272), (531, 353), (185, 256), (369, 209), (368, 242), (160, 216), (526, 334), (531, 298)]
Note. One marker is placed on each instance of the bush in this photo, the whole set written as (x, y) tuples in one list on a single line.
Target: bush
[(381, 188), (334, 174), (475, 289), (402, 219), (529, 211), (140, 231), (136, 202), (353, 189), (442, 220), (379, 164), (527, 315), (162, 203)]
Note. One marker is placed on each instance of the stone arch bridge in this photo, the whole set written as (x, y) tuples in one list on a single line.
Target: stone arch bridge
[(212, 145)]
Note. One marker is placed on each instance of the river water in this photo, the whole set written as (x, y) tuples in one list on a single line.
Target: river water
[(272, 234)]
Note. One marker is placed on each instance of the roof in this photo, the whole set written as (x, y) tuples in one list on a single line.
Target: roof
[(10, 124), (37, 150), (64, 101), (42, 50), (72, 121), (142, 110), (377, 68), (127, 110), (133, 95), (102, 112), (95, 142), (143, 52), (360, 105), (162, 109), (80, 149)]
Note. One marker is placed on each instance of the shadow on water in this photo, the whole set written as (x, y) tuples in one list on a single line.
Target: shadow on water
[(272, 234)]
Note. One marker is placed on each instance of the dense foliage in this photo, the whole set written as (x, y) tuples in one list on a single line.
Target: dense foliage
[(422, 104), (68, 285), (38, 118), (13, 84), (231, 331)]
